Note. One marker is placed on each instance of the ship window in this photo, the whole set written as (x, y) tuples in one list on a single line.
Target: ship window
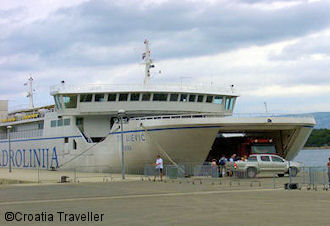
[(41, 125), (192, 97), (146, 96), (123, 96), (53, 123), (66, 140), (112, 97), (58, 102), (86, 97), (70, 101), (79, 121), (231, 105), (99, 97), (174, 97), (209, 99), (217, 100), (135, 97), (66, 121), (227, 103), (159, 97), (200, 98), (60, 122), (183, 97)]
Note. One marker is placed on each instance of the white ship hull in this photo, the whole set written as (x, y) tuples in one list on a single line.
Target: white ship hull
[(177, 140)]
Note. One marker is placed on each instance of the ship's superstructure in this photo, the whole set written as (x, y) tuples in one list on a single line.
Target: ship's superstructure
[(180, 122)]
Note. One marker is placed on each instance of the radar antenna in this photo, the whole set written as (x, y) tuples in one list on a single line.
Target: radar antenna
[(147, 62)]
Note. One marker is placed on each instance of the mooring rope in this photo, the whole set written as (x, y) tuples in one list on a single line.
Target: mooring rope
[(161, 149)]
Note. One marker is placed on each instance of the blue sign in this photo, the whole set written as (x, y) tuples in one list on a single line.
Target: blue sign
[(32, 158)]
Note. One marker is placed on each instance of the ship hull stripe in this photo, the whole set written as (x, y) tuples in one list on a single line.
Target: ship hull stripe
[(129, 131)]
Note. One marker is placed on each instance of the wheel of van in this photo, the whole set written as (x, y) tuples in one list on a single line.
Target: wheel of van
[(280, 175), (294, 171), (251, 172)]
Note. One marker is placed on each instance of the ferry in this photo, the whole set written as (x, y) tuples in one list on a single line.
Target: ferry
[(83, 129)]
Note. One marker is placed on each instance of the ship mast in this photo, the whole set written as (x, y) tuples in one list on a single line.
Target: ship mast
[(147, 62), (30, 93)]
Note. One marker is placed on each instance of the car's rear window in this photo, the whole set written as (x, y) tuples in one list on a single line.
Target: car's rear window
[(265, 158), (252, 159)]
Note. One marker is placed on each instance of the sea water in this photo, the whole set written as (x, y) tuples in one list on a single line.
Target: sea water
[(313, 157)]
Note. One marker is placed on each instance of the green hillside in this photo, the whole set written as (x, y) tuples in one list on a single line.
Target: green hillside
[(319, 138)]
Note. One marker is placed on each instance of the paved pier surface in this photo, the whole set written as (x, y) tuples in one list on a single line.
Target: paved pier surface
[(170, 203), (49, 177)]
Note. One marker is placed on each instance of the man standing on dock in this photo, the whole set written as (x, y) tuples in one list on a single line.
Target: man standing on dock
[(329, 170), (159, 167)]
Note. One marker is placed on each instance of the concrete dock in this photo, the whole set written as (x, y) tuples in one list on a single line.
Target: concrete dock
[(174, 202)]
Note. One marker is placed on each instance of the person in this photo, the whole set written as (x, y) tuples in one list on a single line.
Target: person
[(232, 158), (222, 164), (214, 168), (246, 158), (329, 170), (159, 167)]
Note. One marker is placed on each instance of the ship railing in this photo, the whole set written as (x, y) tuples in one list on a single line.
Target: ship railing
[(140, 87), (248, 115), (22, 134), (176, 117), (23, 117)]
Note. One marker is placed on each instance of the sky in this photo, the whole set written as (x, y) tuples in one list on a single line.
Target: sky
[(272, 51)]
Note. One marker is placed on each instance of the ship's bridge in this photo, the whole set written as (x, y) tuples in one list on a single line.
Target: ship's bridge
[(143, 100)]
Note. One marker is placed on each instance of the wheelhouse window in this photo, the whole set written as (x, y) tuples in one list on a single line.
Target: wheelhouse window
[(174, 97), (227, 103), (112, 97), (58, 103), (184, 97), (200, 98), (135, 97), (217, 100), (192, 97), (160, 97), (123, 96), (99, 97), (70, 101), (86, 97), (209, 99), (146, 97), (231, 104)]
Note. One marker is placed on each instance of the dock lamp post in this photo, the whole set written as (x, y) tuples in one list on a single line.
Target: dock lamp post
[(121, 114), (8, 132)]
